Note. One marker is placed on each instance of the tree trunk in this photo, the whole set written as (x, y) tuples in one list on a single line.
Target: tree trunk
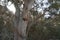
[(22, 30), (20, 25)]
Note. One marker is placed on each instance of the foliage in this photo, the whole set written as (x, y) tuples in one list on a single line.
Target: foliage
[(43, 29), (5, 24)]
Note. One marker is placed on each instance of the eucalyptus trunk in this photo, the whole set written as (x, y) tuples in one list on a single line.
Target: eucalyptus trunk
[(19, 24)]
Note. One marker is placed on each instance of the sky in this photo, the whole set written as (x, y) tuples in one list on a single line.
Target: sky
[(11, 6)]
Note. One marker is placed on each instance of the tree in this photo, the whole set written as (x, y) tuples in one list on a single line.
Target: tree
[(29, 19)]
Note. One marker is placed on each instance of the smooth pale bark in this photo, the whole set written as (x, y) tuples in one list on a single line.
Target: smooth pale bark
[(16, 21), (20, 25), (22, 30)]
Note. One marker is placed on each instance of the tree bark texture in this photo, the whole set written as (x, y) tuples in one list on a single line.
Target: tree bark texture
[(19, 24)]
